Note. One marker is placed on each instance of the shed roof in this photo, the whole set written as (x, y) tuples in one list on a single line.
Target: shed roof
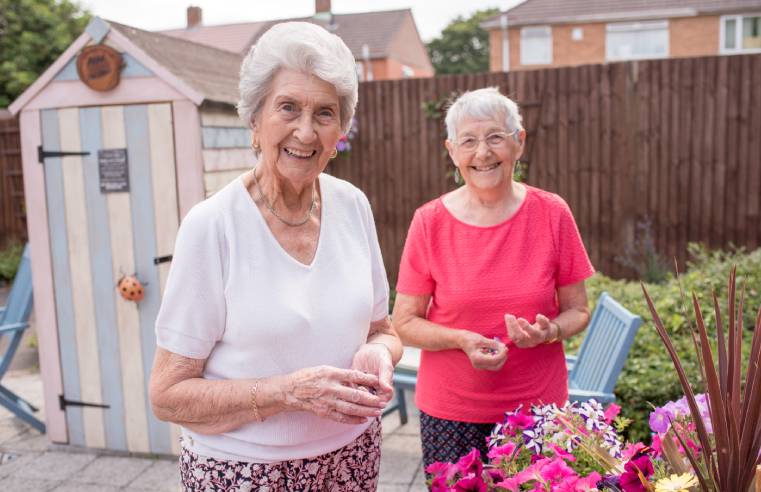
[(375, 29), (566, 11), (210, 71)]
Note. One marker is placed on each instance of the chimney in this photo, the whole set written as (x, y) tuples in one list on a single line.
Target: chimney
[(194, 16), (321, 7)]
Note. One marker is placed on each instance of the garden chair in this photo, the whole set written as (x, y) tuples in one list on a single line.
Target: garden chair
[(14, 319), (593, 374)]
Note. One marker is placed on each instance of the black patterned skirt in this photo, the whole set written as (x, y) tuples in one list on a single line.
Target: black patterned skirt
[(449, 440)]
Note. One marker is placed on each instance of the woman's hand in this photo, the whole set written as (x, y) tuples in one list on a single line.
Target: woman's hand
[(525, 335), (335, 393), (484, 353), (375, 358)]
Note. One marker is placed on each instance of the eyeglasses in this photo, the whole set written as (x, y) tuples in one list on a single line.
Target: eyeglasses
[(493, 140)]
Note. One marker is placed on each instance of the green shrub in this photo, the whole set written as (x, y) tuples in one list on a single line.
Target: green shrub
[(648, 376), (9, 261)]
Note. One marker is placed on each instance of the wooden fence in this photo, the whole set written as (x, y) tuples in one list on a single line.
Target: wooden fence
[(676, 141), (12, 214)]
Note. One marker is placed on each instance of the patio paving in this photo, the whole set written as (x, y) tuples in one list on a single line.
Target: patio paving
[(28, 463)]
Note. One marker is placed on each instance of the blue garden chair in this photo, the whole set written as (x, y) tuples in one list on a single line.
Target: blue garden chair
[(14, 319), (593, 374)]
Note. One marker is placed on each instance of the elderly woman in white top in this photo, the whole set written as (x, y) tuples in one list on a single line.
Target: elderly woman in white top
[(275, 353)]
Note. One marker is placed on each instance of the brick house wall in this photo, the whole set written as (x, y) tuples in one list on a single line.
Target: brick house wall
[(691, 36)]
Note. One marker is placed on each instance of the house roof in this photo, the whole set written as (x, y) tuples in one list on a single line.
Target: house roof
[(210, 71), (569, 11), (375, 29)]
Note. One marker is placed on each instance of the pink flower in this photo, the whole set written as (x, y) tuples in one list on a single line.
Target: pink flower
[(495, 474), (520, 421), (471, 484), (630, 478), (439, 484), (611, 412), (511, 484), (632, 449), (504, 450), (439, 469), (562, 453), (556, 470), (471, 463)]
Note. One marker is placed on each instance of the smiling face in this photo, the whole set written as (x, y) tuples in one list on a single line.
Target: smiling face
[(298, 127), (486, 167)]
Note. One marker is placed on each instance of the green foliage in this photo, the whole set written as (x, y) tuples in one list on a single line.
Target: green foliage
[(10, 258), (33, 33), (463, 46), (648, 376)]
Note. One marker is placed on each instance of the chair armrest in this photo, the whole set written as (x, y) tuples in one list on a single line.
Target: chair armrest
[(13, 327), (583, 395), (570, 361)]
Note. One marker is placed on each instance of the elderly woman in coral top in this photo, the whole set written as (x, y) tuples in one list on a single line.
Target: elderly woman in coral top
[(491, 281), (275, 352)]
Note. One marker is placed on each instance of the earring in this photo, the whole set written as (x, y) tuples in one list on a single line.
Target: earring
[(256, 147), (457, 176), (334, 154)]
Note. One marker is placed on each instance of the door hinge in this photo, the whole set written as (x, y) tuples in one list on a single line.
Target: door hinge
[(43, 154), (63, 403)]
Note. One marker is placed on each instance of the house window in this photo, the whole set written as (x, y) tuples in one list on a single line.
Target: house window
[(536, 45), (636, 40), (740, 34), (407, 71)]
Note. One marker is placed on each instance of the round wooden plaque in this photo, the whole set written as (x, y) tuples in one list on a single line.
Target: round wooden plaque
[(99, 67)]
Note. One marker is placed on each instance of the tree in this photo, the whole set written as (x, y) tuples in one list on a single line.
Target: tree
[(463, 46), (33, 33)]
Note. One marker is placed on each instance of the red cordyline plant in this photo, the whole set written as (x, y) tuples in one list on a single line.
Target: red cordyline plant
[(730, 460)]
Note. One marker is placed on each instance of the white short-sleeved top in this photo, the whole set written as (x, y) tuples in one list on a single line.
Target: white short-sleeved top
[(236, 298)]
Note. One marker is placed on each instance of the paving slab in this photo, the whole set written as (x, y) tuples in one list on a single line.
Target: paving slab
[(84, 487), (11, 462), (54, 465), (400, 459), (161, 476), (112, 470), (17, 484)]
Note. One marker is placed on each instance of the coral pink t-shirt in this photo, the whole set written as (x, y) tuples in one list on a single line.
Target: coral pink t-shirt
[(475, 275)]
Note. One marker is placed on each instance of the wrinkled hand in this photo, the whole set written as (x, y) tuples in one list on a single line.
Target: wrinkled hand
[(484, 353), (375, 359), (335, 393), (525, 335)]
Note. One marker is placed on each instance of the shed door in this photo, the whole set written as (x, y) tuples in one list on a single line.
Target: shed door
[(107, 343)]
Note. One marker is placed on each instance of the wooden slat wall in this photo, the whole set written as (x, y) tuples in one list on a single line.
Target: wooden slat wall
[(678, 141), (12, 213)]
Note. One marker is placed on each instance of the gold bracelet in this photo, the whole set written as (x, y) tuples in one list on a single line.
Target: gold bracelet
[(557, 336), (254, 406)]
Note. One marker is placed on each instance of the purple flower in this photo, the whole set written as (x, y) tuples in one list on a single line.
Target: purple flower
[(660, 420)]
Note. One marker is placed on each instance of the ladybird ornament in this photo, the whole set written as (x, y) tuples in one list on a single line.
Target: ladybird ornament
[(130, 288)]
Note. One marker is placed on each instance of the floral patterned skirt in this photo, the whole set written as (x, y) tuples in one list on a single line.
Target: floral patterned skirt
[(352, 468)]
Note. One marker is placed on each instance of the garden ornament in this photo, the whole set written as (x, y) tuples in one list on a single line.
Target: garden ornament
[(130, 288)]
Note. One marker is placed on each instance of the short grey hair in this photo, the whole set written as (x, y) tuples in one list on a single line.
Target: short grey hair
[(303, 47), (483, 104)]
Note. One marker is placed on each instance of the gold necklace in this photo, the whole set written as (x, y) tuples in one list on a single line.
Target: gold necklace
[(271, 208)]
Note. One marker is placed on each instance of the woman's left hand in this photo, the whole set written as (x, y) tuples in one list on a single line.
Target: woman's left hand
[(375, 358), (524, 334)]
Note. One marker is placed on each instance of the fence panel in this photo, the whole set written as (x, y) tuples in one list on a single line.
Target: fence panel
[(676, 141), (12, 214)]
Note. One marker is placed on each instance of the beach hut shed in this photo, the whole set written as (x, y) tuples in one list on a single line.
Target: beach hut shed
[(121, 136)]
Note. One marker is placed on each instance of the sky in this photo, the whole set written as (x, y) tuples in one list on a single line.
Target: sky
[(431, 16)]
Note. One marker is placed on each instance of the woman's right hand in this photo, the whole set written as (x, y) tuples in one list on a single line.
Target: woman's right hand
[(484, 353), (342, 395)]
